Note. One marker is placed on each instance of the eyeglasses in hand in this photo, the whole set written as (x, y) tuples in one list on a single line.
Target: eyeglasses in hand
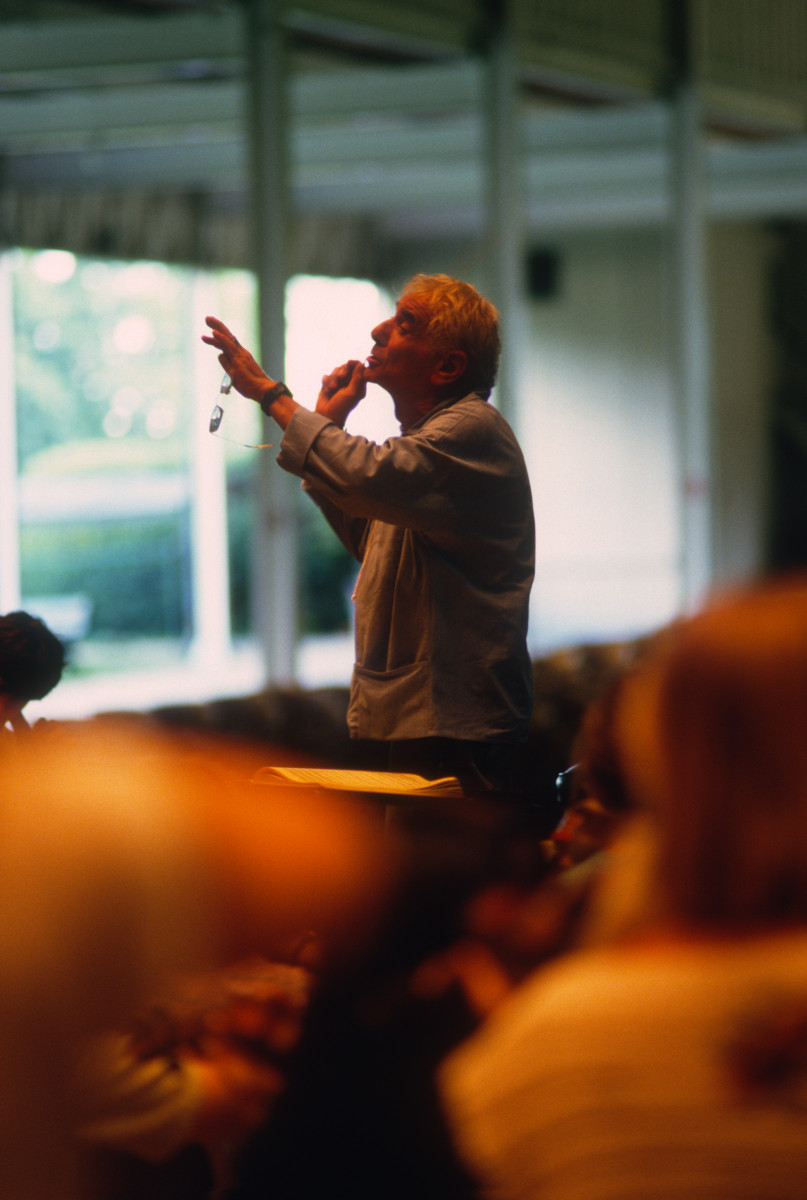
[(217, 416)]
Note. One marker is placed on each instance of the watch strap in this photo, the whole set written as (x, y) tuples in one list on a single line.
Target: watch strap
[(271, 394)]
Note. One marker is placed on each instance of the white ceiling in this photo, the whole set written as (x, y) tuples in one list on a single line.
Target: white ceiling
[(386, 108)]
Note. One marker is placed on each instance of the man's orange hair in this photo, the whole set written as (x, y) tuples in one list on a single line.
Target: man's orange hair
[(459, 318)]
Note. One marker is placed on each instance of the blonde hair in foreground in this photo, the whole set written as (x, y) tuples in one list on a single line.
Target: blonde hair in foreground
[(459, 318), (714, 735)]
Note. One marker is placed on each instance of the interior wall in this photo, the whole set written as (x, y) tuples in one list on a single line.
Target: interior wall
[(787, 532), (596, 422), (744, 364)]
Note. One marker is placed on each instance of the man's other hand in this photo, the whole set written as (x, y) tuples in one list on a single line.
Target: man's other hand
[(341, 391)]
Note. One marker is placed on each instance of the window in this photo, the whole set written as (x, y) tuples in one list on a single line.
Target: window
[(128, 528)]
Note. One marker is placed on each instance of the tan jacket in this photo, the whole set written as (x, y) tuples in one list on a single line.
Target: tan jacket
[(441, 520)]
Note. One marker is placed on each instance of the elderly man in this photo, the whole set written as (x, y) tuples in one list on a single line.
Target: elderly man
[(441, 521)]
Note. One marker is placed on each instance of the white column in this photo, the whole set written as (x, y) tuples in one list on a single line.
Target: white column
[(9, 507), (504, 195), (208, 491), (690, 323), (275, 546)]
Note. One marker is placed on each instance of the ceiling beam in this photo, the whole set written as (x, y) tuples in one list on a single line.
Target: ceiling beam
[(399, 92), (343, 171), (82, 49), (78, 50), (159, 104)]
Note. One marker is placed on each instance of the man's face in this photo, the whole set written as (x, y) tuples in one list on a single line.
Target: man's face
[(403, 362)]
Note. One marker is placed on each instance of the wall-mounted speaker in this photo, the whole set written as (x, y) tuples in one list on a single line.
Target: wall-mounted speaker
[(543, 273)]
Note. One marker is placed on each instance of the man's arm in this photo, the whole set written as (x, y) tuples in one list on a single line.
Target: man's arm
[(351, 531), (462, 471), (341, 390)]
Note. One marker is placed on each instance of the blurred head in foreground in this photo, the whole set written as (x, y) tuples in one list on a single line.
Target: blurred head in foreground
[(128, 855), (31, 664), (713, 737)]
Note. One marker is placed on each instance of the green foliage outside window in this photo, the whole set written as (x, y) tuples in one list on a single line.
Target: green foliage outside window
[(103, 374), (100, 353), (134, 572)]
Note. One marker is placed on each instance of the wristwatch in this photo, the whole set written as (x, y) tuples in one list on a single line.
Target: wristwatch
[(271, 394)]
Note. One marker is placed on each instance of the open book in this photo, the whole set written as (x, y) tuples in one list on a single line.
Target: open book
[(388, 782)]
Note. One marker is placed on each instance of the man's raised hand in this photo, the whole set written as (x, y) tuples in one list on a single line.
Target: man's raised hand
[(248, 377)]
